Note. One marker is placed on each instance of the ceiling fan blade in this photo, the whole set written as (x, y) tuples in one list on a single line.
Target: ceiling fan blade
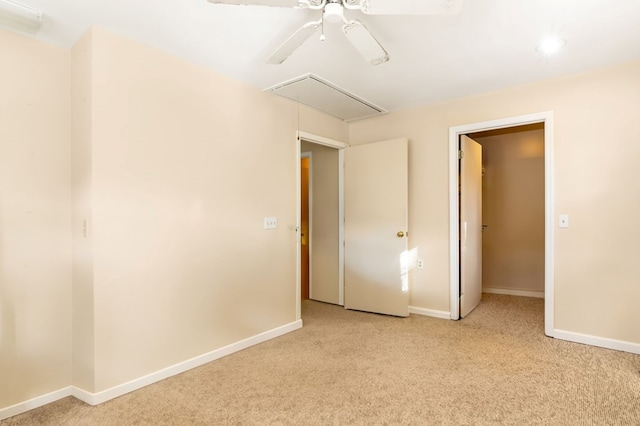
[(275, 3), (365, 42), (292, 43), (411, 7)]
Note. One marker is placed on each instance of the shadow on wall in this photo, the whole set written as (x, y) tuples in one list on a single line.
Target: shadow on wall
[(7, 316), (8, 355), (7, 327), (17, 370)]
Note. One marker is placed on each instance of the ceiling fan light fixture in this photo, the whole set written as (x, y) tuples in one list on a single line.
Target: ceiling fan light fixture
[(17, 17), (333, 12)]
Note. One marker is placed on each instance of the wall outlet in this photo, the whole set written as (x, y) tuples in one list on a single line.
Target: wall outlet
[(270, 222), (420, 263)]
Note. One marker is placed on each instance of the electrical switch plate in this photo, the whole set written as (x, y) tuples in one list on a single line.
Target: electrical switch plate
[(270, 222), (563, 221), (420, 263)]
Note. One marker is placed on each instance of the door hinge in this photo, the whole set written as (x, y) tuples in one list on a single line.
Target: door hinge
[(460, 155)]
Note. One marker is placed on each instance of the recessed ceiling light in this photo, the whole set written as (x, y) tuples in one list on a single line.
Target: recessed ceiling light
[(550, 45)]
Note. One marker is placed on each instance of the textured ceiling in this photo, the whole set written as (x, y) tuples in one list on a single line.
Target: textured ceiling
[(491, 45)]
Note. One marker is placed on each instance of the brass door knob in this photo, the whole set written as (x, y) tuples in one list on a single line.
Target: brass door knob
[(400, 234)]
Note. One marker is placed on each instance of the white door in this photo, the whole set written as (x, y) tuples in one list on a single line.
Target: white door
[(375, 207), (470, 225)]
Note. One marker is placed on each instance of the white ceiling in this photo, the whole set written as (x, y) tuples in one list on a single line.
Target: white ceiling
[(491, 45)]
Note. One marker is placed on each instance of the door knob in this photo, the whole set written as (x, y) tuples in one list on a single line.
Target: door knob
[(400, 234)]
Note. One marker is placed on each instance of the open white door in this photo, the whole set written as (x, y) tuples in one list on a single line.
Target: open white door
[(470, 225), (376, 257)]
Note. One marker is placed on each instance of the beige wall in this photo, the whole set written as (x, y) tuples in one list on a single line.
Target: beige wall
[(185, 165), (324, 226), (596, 128), (513, 210), (35, 233), (172, 169)]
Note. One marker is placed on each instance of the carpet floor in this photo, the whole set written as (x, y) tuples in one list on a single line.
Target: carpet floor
[(354, 368)]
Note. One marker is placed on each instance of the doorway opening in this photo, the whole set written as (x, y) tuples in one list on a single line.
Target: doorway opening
[(489, 133), (305, 220), (320, 215), (368, 248), (513, 210), (319, 222)]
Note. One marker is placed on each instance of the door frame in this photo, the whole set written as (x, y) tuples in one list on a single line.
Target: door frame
[(454, 257), (340, 146), (310, 218)]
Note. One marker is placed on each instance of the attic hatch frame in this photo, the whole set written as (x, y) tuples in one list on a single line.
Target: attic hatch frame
[(318, 93)]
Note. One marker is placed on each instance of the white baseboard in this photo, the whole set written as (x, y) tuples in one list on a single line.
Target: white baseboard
[(602, 342), (430, 312), (116, 391), (513, 292), (39, 401)]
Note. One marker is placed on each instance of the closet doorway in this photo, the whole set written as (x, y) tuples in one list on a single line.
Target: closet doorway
[(540, 120)]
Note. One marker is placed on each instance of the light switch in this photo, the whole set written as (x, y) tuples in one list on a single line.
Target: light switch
[(270, 222), (563, 221)]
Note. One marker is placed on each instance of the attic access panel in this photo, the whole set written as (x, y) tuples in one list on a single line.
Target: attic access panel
[(317, 93)]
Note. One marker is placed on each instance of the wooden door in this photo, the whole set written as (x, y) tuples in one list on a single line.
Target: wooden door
[(375, 197), (470, 225)]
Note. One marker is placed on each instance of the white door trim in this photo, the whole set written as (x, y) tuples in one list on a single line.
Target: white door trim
[(454, 260), (320, 140), (310, 207)]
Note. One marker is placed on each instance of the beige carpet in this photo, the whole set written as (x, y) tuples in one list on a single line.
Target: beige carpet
[(345, 367)]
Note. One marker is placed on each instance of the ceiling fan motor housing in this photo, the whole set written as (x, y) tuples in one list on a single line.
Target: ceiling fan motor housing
[(333, 12)]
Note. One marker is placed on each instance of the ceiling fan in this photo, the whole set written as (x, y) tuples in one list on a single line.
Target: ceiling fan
[(354, 30)]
